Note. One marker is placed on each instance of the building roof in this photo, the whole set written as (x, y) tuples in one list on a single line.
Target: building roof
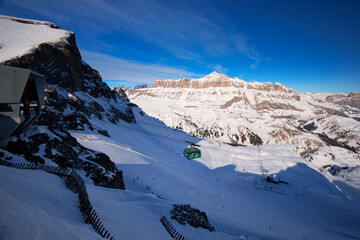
[(191, 149), (13, 81)]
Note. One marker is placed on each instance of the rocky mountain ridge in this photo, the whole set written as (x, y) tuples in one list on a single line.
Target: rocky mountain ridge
[(346, 100), (253, 113), (216, 80), (75, 94)]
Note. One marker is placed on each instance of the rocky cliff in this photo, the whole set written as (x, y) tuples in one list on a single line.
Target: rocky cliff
[(322, 128), (238, 112), (75, 94), (218, 80), (351, 100)]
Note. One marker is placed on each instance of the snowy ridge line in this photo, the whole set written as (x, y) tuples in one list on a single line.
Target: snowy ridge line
[(171, 230), (74, 183)]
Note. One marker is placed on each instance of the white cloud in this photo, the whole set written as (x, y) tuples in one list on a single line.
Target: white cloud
[(220, 68), (114, 68), (254, 65), (187, 34)]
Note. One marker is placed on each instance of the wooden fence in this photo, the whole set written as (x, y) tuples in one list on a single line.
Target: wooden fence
[(171, 230), (75, 183)]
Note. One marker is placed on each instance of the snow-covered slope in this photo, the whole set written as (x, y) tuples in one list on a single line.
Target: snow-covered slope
[(37, 205), (234, 111), (74, 93), (20, 36), (227, 183)]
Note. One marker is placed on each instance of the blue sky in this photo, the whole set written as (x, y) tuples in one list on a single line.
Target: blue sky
[(308, 45)]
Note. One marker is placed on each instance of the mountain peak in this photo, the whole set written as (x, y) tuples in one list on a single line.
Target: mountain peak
[(216, 79), (215, 75)]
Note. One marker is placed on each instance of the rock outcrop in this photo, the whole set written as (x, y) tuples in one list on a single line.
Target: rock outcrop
[(194, 217), (74, 95), (62, 65), (351, 100), (233, 111), (61, 148), (142, 86), (217, 80)]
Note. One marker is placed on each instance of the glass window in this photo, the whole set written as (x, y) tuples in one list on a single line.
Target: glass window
[(5, 108)]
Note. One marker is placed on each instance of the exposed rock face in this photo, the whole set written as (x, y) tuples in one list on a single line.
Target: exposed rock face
[(194, 217), (141, 86), (352, 99), (251, 113), (217, 80), (321, 127), (122, 91), (235, 100), (63, 67), (60, 147), (273, 106), (60, 63), (76, 94)]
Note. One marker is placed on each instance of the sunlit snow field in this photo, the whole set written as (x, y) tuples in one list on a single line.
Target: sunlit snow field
[(226, 183)]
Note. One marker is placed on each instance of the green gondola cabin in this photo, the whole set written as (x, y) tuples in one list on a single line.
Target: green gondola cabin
[(192, 152)]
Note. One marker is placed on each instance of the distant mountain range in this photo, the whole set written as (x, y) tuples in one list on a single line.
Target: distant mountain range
[(111, 143), (237, 112)]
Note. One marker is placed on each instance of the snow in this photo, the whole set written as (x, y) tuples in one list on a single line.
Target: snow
[(22, 38), (237, 110), (213, 76), (37, 205), (173, 106), (221, 183), (226, 182)]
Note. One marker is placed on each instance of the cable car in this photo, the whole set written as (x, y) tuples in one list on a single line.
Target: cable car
[(192, 152)]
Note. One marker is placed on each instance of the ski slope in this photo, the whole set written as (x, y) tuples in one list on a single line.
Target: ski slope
[(37, 205), (226, 183), (226, 109)]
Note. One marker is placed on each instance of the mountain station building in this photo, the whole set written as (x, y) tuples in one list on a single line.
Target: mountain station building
[(21, 97)]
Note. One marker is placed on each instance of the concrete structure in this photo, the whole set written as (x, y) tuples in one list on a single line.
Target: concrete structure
[(21, 97)]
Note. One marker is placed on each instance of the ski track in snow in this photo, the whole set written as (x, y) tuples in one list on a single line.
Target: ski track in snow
[(221, 183), (225, 182)]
